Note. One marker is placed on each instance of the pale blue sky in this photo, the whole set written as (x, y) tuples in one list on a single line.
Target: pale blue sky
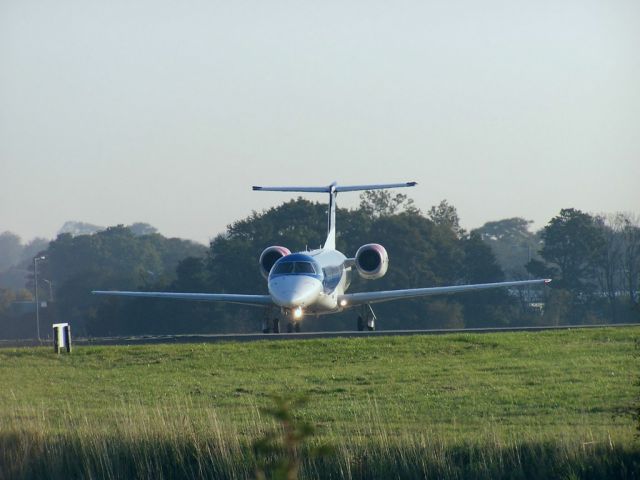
[(167, 112)]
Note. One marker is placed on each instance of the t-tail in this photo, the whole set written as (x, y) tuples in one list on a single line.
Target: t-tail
[(333, 190)]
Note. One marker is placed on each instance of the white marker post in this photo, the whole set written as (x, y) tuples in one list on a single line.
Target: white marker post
[(61, 337)]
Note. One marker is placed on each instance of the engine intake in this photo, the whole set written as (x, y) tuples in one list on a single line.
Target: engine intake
[(270, 256), (372, 261)]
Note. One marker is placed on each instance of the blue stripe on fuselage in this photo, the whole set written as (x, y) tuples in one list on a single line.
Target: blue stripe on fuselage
[(332, 262), (332, 276)]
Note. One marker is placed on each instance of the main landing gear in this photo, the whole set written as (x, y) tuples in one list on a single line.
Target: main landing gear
[(366, 318)]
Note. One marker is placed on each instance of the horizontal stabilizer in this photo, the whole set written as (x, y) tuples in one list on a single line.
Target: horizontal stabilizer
[(334, 187), (355, 188), (332, 190), (293, 189)]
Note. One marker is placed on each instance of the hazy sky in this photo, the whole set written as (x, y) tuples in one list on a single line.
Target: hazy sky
[(167, 112)]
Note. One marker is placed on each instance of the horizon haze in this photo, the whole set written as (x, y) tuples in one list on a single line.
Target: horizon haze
[(116, 113)]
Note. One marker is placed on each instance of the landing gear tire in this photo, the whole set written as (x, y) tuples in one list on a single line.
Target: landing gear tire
[(371, 323), (296, 327), (276, 325), (290, 327), (360, 324)]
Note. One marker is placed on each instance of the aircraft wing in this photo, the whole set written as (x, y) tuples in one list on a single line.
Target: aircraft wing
[(354, 299), (255, 300)]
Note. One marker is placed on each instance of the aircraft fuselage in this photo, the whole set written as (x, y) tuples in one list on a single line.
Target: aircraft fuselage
[(311, 281)]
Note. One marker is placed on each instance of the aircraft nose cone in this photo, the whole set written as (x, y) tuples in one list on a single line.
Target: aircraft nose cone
[(294, 290)]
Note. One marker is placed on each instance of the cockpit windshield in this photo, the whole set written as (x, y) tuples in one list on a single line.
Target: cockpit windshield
[(295, 267), (303, 267)]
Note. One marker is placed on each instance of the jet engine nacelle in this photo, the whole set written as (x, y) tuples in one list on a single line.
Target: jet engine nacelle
[(372, 261), (270, 256)]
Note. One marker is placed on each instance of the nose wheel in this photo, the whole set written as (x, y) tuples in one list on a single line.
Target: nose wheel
[(366, 319)]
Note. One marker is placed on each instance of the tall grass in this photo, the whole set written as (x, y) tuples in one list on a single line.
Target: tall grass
[(544, 405), (164, 442)]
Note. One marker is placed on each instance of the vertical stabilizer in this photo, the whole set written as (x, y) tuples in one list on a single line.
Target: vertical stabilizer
[(330, 243), (332, 190)]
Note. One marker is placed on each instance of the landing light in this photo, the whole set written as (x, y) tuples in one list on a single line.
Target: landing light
[(343, 303), (297, 313)]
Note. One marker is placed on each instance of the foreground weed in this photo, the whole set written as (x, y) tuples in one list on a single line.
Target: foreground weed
[(278, 452)]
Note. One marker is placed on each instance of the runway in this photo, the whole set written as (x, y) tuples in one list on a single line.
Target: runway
[(252, 337)]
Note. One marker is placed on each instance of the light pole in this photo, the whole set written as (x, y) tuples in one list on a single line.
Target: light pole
[(35, 281)]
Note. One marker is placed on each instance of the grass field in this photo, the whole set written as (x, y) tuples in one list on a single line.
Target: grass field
[(508, 405)]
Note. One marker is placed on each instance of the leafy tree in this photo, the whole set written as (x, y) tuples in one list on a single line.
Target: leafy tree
[(7, 297), (512, 243), (79, 228), (558, 307), (445, 313), (618, 264), (16, 259), (630, 231), (578, 254), (141, 228), (10, 250), (32, 249), (380, 203), (446, 215), (540, 269), (191, 275), (515, 229), (572, 244), (490, 307), (16, 323), (112, 258), (480, 264), (424, 250), (609, 261)]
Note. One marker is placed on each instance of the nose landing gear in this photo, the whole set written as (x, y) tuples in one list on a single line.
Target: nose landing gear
[(366, 318), (271, 321), (293, 327), (293, 319)]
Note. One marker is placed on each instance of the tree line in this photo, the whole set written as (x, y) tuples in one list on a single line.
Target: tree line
[(593, 259)]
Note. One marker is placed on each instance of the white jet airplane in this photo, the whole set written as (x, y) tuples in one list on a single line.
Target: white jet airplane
[(314, 282)]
